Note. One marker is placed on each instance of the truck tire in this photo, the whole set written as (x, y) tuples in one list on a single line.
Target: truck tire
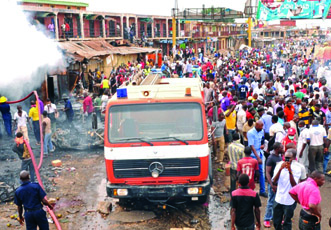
[(123, 201), (203, 199)]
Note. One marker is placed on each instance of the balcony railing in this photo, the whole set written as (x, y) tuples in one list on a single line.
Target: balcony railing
[(72, 33), (113, 33)]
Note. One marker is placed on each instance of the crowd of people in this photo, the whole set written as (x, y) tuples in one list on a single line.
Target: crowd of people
[(269, 111), (273, 120)]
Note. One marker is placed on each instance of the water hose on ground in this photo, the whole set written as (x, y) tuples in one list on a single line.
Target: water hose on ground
[(36, 168), (51, 213)]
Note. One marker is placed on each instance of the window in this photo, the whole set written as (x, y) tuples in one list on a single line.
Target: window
[(92, 34), (111, 28), (166, 121), (142, 29), (69, 7), (157, 30), (164, 33), (149, 30)]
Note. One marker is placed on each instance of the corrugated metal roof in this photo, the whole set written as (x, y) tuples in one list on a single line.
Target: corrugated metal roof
[(89, 49)]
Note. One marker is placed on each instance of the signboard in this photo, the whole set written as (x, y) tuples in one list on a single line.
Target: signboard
[(294, 9), (288, 23)]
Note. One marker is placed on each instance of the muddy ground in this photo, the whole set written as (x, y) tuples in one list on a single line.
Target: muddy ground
[(80, 186)]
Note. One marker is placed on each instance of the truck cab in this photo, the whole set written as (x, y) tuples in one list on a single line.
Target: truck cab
[(156, 141)]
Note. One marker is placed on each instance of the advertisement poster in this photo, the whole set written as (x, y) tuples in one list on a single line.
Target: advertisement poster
[(294, 9)]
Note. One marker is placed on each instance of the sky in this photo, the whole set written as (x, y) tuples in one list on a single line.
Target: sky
[(155, 7)]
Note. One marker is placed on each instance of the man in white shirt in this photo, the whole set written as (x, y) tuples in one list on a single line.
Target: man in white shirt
[(241, 119), (287, 174), (276, 127), (281, 72), (282, 134), (259, 90), (21, 119), (316, 139), (51, 112), (302, 146)]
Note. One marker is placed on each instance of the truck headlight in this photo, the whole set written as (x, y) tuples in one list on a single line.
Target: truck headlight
[(121, 192), (193, 191)]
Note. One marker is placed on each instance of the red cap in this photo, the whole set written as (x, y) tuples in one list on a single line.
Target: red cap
[(291, 132)]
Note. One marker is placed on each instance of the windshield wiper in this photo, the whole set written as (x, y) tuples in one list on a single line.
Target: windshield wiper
[(175, 138), (136, 138)]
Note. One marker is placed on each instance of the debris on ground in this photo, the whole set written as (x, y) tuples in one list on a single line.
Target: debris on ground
[(72, 139), (104, 207), (57, 163)]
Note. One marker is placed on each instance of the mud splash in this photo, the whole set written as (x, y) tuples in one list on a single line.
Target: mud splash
[(219, 214)]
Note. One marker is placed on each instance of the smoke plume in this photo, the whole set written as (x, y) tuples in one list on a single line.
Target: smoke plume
[(27, 54)]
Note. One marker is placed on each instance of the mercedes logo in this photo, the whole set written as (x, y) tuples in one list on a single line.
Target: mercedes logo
[(156, 168)]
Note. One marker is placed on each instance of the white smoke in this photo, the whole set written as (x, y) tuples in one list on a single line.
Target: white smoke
[(26, 52)]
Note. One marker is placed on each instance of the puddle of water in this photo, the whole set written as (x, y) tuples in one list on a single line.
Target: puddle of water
[(219, 214), (97, 193)]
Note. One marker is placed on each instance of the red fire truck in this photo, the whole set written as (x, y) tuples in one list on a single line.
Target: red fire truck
[(156, 141)]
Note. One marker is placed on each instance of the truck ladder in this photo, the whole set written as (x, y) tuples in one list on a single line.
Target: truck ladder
[(151, 79)]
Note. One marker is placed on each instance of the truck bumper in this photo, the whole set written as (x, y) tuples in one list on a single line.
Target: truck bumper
[(159, 193)]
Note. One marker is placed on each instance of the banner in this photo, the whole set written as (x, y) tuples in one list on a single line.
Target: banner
[(294, 9)]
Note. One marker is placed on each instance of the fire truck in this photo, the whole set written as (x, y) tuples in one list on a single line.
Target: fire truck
[(156, 141)]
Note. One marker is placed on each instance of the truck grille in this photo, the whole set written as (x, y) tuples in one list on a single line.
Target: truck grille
[(172, 167)]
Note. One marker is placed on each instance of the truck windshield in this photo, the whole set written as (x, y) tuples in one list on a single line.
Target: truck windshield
[(155, 122)]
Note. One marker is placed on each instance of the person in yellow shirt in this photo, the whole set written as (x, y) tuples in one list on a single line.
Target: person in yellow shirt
[(105, 84), (241, 73), (230, 121), (34, 115)]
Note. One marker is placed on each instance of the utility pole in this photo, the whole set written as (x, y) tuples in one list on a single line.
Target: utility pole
[(250, 11), (174, 12), (249, 31)]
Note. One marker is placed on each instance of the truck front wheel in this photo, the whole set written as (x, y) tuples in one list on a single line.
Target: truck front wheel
[(203, 199)]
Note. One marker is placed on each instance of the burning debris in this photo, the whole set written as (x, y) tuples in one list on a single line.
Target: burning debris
[(68, 139)]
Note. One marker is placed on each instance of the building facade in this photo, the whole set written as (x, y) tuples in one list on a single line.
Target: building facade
[(71, 20)]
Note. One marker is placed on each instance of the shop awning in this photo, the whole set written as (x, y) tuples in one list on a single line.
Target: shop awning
[(91, 49), (44, 14), (110, 18), (148, 20)]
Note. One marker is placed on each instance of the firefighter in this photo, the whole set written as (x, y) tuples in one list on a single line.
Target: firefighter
[(6, 115)]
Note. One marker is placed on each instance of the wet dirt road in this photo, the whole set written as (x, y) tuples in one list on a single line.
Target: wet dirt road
[(80, 186)]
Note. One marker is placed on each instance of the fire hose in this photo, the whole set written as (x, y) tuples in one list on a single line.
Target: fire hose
[(36, 168)]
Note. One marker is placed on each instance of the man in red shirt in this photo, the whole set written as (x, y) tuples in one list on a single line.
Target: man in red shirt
[(289, 138), (289, 110), (250, 113), (249, 166)]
